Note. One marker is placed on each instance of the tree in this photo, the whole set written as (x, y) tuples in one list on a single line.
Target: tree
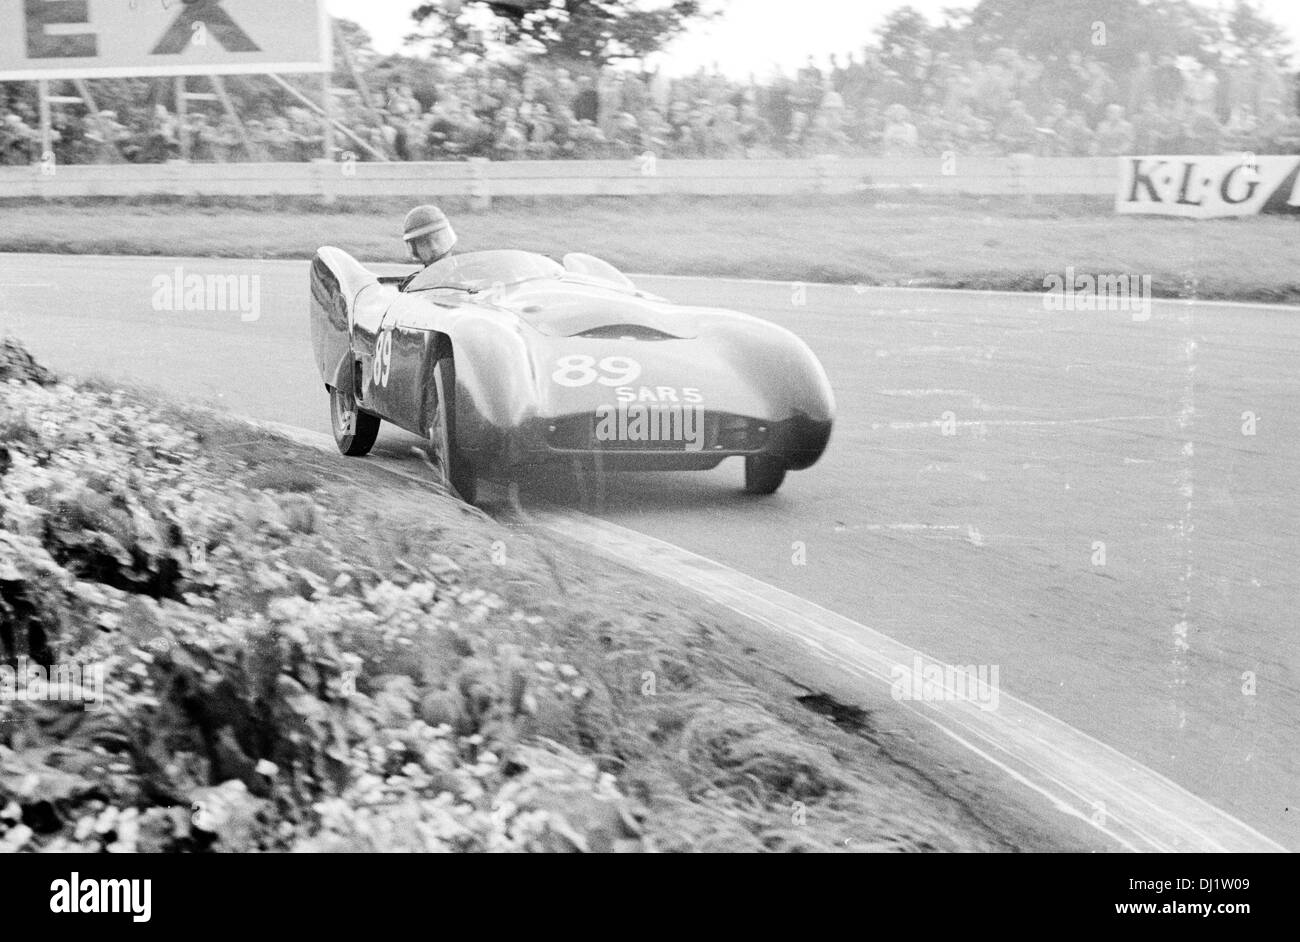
[(596, 31), (1248, 30), (906, 40), (1113, 31)]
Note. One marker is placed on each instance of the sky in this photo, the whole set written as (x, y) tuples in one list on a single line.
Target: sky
[(752, 35)]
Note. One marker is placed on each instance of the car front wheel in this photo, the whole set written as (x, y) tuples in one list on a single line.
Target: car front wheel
[(457, 472), (354, 431), (763, 474)]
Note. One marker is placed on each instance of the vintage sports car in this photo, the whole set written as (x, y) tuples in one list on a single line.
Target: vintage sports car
[(508, 359)]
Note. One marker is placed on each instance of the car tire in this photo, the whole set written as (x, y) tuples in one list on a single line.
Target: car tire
[(355, 437), (763, 474), (457, 471)]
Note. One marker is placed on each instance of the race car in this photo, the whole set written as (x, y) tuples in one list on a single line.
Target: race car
[(505, 360)]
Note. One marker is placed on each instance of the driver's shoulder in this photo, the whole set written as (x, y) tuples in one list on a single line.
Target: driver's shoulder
[(410, 279)]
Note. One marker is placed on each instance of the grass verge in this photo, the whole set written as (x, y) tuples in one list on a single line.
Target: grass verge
[(278, 649), (866, 239)]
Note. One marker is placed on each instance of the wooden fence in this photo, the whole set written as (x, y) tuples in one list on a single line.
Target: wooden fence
[(481, 180)]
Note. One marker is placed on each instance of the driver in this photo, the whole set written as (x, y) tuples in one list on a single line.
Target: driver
[(428, 236)]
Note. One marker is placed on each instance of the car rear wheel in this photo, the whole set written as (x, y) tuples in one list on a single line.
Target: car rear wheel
[(354, 431), (763, 474), (456, 470)]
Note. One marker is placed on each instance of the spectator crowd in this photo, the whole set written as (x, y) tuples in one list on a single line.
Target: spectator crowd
[(855, 105)]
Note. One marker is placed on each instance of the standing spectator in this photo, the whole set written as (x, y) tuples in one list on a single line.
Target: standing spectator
[(1270, 85), (855, 84), (17, 141), (541, 133), (934, 132), (725, 130), (1114, 133), (1077, 139), (1203, 133), (1052, 144), (586, 101), (900, 137), (1000, 79), (1167, 80), (806, 96), (609, 91), (1100, 90), (990, 88), (280, 139), (837, 74), (509, 142), (226, 141), (794, 142), (825, 138), (635, 94), (310, 139), (659, 88), (258, 149), (1018, 132), (832, 109), (104, 134), (1277, 132), (1153, 131), (701, 131), (1141, 84), (161, 143), (627, 137), (779, 107), (1201, 89), (1241, 131), (588, 142), (755, 132), (681, 143), (655, 132)]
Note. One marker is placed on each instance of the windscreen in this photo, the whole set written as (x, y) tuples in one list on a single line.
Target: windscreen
[(597, 269), (481, 271)]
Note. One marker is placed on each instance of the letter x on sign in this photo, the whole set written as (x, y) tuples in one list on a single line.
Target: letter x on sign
[(215, 20)]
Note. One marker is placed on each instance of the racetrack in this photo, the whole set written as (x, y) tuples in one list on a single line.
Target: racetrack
[(1070, 430)]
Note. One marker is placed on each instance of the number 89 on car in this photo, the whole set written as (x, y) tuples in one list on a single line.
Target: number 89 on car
[(579, 370)]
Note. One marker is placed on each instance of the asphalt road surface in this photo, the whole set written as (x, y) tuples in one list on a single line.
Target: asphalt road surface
[(1104, 508)]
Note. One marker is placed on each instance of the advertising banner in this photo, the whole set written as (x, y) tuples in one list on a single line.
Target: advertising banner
[(1208, 187), (84, 39)]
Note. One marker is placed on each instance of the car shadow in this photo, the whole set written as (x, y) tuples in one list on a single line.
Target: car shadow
[(592, 492)]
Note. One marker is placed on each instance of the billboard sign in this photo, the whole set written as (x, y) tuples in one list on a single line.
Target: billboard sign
[(1209, 187), (84, 39)]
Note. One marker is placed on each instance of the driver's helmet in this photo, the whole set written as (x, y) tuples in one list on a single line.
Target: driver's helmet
[(432, 222)]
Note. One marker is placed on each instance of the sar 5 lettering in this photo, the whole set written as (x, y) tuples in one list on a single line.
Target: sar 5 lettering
[(688, 395)]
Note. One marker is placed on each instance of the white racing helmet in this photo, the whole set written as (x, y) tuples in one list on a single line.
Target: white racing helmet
[(431, 222)]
